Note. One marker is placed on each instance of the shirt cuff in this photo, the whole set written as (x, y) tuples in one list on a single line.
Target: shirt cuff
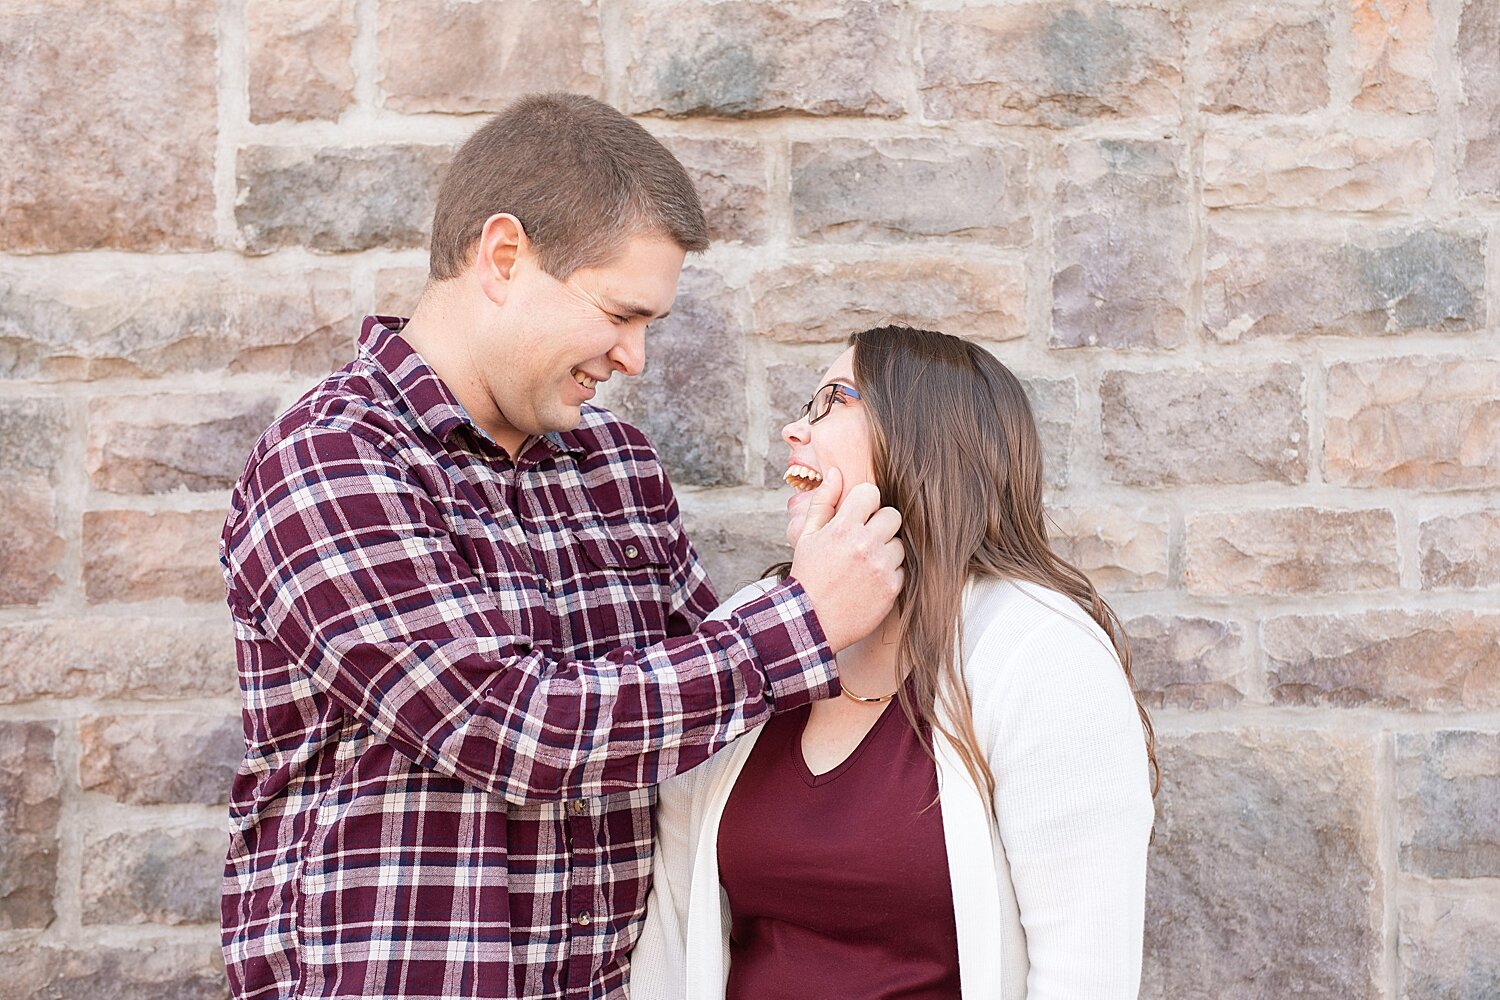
[(789, 646)]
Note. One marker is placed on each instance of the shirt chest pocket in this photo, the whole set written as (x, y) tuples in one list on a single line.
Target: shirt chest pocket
[(623, 566)]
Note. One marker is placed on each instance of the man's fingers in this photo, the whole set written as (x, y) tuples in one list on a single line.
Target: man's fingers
[(822, 508), (862, 500), (885, 522)]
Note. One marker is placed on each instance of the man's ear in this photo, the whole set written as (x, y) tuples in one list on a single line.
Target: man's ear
[(501, 243)]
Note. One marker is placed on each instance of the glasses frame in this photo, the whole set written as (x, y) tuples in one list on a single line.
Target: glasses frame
[(839, 389)]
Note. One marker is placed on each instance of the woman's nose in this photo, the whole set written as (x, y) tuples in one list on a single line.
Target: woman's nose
[(796, 432)]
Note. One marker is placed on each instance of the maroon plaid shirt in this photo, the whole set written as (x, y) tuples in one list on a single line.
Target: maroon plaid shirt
[(461, 675)]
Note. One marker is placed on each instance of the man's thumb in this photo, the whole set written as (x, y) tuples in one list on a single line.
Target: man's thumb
[(824, 501)]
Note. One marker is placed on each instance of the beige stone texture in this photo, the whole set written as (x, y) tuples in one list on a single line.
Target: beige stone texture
[(1296, 167), (1118, 548), (1448, 803), (1430, 423), (1426, 661), (816, 57), (43, 969), (1447, 944), (730, 176), (181, 441), (825, 302), (30, 806), (459, 56), (1479, 106), (1265, 876), (1052, 64), (108, 125), (398, 289), (95, 321), (337, 200), (907, 190), (31, 542), (301, 58), (1182, 661), (131, 555), (160, 758), (162, 877), (1266, 62), (139, 658), (1370, 282), (1290, 550), (1122, 235), (1461, 551), (1392, 56), (1178, 427), (1054, 406), (737, 546)]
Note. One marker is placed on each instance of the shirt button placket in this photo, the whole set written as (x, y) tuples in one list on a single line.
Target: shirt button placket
[(583, 848)]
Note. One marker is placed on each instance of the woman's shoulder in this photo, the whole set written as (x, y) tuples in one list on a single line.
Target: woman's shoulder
[(1012, 628)]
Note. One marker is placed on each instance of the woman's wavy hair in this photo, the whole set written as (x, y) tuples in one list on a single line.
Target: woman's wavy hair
[(956, 451)]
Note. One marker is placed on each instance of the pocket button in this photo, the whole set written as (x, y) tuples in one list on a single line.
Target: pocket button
[(631, 552)]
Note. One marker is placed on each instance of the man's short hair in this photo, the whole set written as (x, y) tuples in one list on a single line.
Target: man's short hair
[(581, 178)]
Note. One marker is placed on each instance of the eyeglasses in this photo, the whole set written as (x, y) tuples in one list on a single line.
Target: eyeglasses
[(822, 401)]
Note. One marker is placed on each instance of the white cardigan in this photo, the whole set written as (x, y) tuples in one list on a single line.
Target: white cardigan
[(1049, 879)]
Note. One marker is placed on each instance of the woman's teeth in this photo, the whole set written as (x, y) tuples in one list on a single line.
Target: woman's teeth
[(801, 478), (584, 380)]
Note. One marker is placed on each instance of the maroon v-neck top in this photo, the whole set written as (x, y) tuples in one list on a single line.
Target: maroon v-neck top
[(838, 882)]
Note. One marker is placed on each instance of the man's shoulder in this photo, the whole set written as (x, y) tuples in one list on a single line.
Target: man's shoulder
[(351, 400)]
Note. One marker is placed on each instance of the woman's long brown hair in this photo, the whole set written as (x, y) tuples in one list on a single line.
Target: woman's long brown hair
[(956, 451)]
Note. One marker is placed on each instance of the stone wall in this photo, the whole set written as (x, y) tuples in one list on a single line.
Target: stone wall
[(1243, 254)]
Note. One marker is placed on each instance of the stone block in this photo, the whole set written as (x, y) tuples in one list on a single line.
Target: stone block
[(1265, 876), (301, 58), (1054, 406), (1371, 282), (337, 200), (132, 555), (1392, 56), (31, 542), (99, 322), (1315, 168), (730, 176), (737, 59), (140, 970), (137, 658), (139, 876), (825, 302), (1118, 549), (1122, 234), (1447, 946), (1266, 63), (1448, 803), (1461, 551), (107, 143), (1427, 423), (1479, 106), (161, 758), (1170, 428), (1406, 660), (490, 53), (1291, 550), (1180, 661), (1053, 64), (788, 386), (898, 190), (691, 399), (737, 546), (182, 441), (30, 804), (399, 289)]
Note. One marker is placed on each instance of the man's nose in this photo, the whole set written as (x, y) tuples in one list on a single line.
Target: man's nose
[(629, 352)]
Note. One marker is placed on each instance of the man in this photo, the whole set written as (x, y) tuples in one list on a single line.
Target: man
[(469, 627)]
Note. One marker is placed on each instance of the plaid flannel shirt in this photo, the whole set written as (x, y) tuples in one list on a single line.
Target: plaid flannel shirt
[(461, 676)]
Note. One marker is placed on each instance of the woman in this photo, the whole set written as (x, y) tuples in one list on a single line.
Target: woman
[(971, 816)]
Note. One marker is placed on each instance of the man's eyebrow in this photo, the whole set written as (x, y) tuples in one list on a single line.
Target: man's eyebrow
[(631, 309)]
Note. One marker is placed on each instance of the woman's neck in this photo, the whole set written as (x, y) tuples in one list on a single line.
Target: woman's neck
[(868, 667)]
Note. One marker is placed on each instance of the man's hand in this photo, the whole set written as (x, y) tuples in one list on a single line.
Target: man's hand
[(849, 560)]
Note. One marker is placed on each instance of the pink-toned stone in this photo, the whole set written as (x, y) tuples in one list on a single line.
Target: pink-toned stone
[(1447, 943), (1054, 64), (1292, 550), (1119, 549), (824, 302), (1428, 423), (459, 56), (108, 125), (1393, 56), (154, 876), (730, 176), (1479, 106), (1187, 662), (1408, 660), (1461, 551), (149, 969), (301, 56), (100, 321), (137, 658), (1316, 168), (180, 441), (160, 758), (31, 542), (1266, 63), (131, 555), (30, 804)]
